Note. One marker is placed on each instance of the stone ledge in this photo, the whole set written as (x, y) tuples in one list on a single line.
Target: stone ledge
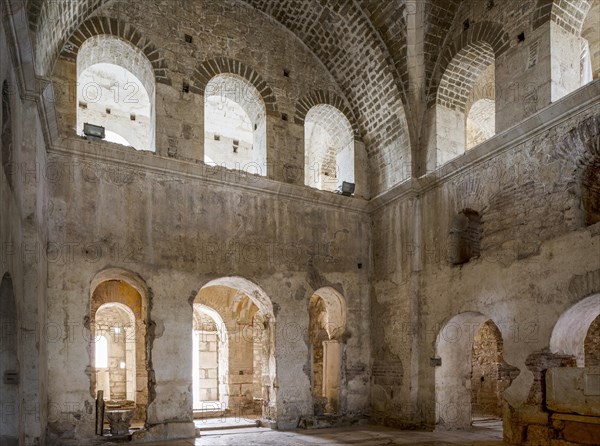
[(575, 418)]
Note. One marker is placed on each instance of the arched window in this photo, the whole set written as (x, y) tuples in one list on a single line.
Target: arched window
[(590, 53), (115, 90), (101, 352), (235, 127), (465, 237), (6, 132), (465, 105), (329, 148)]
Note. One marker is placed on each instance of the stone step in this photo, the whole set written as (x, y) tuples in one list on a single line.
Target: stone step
[(217, 424)]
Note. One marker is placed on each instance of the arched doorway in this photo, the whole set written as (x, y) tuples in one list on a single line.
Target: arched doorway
[(115, 350), (572, 328), (472, 375), (118, 327), (240, 320), (9, 365), (210, 360), (327, 311)]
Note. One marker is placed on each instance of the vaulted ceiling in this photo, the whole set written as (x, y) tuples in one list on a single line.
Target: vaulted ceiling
[(363, 43)]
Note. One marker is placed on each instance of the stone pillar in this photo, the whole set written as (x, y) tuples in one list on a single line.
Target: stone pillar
[(285, 150), (332, 373), (361, 170)]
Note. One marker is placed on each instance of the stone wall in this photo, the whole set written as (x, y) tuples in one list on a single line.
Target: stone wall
[(534, 243), (23, 218)]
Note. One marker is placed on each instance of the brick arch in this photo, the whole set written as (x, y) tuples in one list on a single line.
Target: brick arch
[(319, 97), (224, 65), (97, 26), (568, 14), (479, 35)]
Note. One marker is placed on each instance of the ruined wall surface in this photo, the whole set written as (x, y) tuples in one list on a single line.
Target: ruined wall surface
[(178, 227), (538, 259), (23, 213)]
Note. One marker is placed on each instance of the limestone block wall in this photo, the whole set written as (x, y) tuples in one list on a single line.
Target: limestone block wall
[(208, 367)]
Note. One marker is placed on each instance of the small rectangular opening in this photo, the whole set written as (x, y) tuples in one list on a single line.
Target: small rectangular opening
[(186, 87), (466, 24), (286, 72), (284, 117), (132, 116), (82, 104), (521, 37), (217, 137), (108, 111), (188, 38)]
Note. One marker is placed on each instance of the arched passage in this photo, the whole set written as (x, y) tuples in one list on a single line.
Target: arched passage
[(246, 313), (470, 348), (235, 126), (9, 364), (116, 367), (569, 333), (115, 90), (327, 311), (119, 313), (329, 148), (591, 344), (210, 359)]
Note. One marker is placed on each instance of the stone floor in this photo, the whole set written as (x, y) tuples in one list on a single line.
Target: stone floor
[(356, 436)]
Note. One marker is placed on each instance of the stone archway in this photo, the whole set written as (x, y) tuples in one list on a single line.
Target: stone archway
[(125, 295), (247, 315), (569, 333), (327, 311), (210, 359), (462, 346)]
